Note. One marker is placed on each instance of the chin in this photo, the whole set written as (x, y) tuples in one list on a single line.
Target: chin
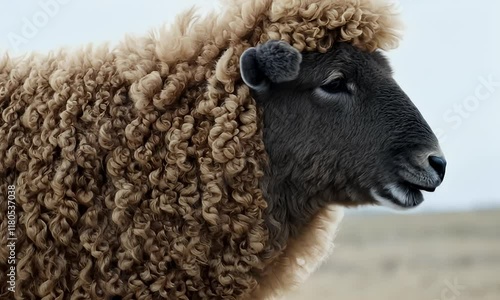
[(399, 196)]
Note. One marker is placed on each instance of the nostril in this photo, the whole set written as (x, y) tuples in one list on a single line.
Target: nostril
[(438, 164)]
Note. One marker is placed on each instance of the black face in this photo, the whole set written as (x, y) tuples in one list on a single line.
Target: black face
[(338, 124)]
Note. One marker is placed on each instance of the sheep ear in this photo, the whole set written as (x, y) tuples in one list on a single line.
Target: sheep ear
[(271, 62)]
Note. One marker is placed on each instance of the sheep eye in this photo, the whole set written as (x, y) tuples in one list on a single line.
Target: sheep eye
[(334, 86)]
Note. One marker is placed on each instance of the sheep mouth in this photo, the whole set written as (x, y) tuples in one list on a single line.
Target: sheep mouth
[(418, 187), (400, 196)]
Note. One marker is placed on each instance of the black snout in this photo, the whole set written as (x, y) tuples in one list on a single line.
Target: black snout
[(438, 164)]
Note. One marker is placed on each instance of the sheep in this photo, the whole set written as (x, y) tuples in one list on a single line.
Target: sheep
[(210, 160)]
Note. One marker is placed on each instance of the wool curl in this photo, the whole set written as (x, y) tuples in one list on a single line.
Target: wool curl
[(137, 168)]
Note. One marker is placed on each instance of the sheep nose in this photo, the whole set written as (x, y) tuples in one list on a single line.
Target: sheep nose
[(439, 165)]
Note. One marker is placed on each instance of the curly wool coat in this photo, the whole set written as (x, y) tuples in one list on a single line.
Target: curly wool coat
[(137, 168)]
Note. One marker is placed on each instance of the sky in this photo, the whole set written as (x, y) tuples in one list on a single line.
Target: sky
[(448, 63)]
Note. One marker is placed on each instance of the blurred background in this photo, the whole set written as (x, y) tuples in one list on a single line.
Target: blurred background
[(448, 63)]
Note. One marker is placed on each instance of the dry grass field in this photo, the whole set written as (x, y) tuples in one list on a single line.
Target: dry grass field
[(411, 257)]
